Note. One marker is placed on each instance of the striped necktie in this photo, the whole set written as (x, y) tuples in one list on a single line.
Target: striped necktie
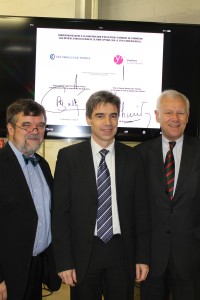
[(170, 169), (104, 212)]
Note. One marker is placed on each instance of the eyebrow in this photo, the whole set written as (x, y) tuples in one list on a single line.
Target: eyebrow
[(111, 114), (97, 114), (29, 123)]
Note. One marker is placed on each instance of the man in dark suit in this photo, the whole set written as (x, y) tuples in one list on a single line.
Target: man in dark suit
[(25, 203), (88, 258), (174, 204)]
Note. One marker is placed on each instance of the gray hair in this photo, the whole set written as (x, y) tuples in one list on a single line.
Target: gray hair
[(174, 95), (28, 107)]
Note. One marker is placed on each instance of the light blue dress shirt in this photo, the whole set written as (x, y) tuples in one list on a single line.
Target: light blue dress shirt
[(41, 195)]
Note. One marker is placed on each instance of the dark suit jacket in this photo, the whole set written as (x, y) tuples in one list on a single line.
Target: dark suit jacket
[(75, 207), (175, 225), (18, 223)]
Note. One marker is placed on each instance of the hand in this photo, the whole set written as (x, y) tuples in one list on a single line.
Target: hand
[(3, 291), (68, 277), (141, 272)]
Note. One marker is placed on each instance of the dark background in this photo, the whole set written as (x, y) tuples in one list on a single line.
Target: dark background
[(17, 63)]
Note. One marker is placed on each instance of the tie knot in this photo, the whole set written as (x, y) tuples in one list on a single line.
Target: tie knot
[(172, 145), (33, 160), (103, 152)]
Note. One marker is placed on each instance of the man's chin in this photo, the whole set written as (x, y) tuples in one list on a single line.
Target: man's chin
[(32, 147), (174, 136)]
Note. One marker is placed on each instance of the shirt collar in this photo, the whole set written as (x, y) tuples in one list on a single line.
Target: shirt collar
[(96, 147), (166, 141)]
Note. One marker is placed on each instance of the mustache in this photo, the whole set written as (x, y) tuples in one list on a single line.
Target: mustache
[(33, 136)]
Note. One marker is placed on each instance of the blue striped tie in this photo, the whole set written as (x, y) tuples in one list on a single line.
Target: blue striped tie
[(104, 212)]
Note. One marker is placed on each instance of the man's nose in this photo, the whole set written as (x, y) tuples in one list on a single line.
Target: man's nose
[(35, 128), (175, 116), (108, 120)]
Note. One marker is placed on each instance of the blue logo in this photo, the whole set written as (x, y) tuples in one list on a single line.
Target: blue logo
[(52, 56)]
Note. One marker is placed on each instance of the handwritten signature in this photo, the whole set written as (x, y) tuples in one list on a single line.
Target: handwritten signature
[(69, 99)]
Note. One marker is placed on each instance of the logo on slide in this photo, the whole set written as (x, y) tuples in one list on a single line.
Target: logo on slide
[(52, 56), (118, 59)]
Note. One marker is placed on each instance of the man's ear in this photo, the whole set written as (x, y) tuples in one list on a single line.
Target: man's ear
[(188, 117), (157, 116), (10, 129)]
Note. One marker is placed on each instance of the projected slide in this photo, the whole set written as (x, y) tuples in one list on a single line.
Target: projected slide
[(72, 64)]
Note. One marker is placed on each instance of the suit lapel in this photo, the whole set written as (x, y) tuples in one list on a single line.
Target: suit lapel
[(87, 166), (185, 164), (156, 155), (17, 176), (119, 163), (46, 172)]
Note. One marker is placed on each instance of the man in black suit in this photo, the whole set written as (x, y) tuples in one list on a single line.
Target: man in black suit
[(174, 204), (25, 203), (85, 260)]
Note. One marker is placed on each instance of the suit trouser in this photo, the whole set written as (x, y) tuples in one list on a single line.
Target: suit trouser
[(159, 288), (34, 286), (107, 274)]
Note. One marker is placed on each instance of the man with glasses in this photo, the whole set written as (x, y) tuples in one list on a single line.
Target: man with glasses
[(25, 203)]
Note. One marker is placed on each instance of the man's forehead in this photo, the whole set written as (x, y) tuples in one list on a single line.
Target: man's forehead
[(105, 107), (30, 117)]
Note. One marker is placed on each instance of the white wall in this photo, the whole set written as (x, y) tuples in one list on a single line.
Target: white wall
[(50, 8), (41, 8), (171, 11), (175, 11)]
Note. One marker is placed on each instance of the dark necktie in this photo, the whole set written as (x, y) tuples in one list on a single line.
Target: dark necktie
[(33, 160), (104, 212), (170, 169)]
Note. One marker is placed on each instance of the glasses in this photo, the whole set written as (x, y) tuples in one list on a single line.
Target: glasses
[(29, 129)]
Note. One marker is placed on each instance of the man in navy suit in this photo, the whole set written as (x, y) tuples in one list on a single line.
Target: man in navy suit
[(84, 260), (25, 203), (174, 208)]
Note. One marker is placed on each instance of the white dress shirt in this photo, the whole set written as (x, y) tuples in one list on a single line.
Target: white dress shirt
[(110, 161), (177, 151)]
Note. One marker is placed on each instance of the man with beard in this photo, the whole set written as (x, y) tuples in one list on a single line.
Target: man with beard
[(25, 202)]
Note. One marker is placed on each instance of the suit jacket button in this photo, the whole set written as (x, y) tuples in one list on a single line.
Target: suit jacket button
[(28, 263), (168, 232)]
